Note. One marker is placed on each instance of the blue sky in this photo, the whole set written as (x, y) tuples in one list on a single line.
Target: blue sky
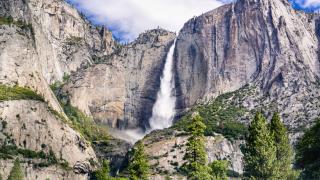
[(128, 18)]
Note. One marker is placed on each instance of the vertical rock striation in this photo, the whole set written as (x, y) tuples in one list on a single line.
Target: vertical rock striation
[(264, 43), (121, 89)]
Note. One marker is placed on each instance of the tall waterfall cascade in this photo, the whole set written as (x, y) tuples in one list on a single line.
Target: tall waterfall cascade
[(164, 108)]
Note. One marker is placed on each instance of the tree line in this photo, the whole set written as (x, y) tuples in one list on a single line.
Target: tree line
[(267, 152)]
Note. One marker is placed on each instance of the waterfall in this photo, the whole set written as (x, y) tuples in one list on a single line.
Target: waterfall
[(163, 109)]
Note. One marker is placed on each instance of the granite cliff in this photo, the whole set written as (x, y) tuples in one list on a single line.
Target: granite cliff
[(263, 44), (251, 55)]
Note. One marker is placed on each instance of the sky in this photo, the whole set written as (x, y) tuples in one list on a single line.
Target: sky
[(128, 18)]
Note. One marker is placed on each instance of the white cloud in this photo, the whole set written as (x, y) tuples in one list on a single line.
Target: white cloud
[(131, 17), (308, 3), (312, 3)]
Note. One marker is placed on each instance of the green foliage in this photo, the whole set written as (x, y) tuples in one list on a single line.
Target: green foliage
[(138, 165), (196, 154), (85, 125), (219, 169), (6, 20), (73, 40), (78, 120), (220, 116), (103, 173), (308, 153), (284, 152), (260, 151), (56, 86), (66, 77), (21, 24), (16, 171), (48, 159), (9, 151), (8, 93)]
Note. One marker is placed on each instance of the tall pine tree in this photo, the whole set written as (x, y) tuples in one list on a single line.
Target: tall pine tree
[(138, 165), (308, 153), (196, 154), (259, 151), (284, 152), (16, 171)]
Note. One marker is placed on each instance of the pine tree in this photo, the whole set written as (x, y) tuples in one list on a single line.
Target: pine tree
[(16, 171), (103, 173), (284, 152), (195, 153), (259, 151), (308, 153), (138, 166), (219, 169)]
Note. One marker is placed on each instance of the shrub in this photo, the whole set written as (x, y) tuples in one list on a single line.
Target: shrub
[(219, 169), (16, 172), (8, 93)]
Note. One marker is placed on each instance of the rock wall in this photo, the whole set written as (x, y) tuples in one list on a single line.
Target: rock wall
[(121, 89), (34, 125), (31, 173), (166, 150), (64, 41), (263, 43)]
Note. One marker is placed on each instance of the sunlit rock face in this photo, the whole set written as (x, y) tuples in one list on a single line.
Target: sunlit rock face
[(120, 89), (263, 43)]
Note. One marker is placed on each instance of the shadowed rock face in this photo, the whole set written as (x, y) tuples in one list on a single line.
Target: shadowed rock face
[(121, 89), (263, 43)]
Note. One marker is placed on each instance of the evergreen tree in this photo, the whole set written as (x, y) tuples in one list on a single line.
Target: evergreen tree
[(259, 151), (138, 166), (284, 152), (16, 171), (103, 173), (308, 153), (219, 169), (195, 153)]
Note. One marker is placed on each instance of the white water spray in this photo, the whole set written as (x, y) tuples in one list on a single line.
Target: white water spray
[(163, 110)]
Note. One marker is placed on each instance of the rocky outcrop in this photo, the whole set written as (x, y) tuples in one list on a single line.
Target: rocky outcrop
[(263, 43), (45, 42), (63, 40), (33, 125), (166, 150), (31, 173), (121, 89)]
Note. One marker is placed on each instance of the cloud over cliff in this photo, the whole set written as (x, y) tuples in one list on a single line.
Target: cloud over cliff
[(128, 18)]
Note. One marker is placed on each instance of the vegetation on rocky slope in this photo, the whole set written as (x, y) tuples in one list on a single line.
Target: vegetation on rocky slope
[(220, 116), (8, 93), (16, 171), (79, 121)]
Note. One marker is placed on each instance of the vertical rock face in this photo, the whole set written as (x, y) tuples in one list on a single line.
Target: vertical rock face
[(32, 125), (121, 89), (45, 41), (50, 41), (264, 43), (63, 40)]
